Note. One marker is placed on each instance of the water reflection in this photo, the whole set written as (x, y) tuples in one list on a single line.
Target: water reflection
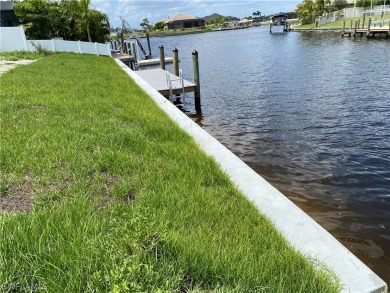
[(197, 117), (310, 112)]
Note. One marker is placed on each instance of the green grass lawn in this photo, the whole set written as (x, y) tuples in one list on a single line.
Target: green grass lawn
[(17, 55), (122, 199)]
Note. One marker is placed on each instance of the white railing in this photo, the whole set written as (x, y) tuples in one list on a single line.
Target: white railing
[(352, 12), (330, 17), (170, 86), (14, 39)]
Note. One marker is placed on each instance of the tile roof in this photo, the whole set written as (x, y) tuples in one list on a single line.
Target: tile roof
[(181, 16)]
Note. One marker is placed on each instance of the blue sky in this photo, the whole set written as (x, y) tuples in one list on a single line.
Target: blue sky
[(134, 10)]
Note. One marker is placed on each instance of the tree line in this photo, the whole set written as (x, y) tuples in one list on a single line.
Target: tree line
[(308, 10), (68, 19)]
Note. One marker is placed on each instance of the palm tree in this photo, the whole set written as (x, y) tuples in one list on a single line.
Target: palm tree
[(306, 11), (256, 13), (84, 11), (69, 11), (99, 26)]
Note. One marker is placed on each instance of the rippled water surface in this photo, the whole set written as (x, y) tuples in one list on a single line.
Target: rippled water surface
[(310, 112)]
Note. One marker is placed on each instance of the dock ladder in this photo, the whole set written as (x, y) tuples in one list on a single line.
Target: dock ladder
[(169, 84)]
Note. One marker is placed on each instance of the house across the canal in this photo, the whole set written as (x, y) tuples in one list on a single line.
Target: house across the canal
[(245, 22), (184, 21)]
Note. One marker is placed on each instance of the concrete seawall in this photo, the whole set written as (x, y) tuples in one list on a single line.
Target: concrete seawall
[(302, 232)]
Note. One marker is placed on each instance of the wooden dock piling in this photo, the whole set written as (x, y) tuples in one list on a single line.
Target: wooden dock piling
[(123, 44), (195, 64), (364, 20), (149, 49), (176, 62), (162, 57), (388, 33), (343, 29), (134, 54), (354, 32), (368, 27)]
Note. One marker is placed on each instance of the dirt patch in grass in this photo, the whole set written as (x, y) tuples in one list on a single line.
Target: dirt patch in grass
[(6, 65), (12, 204), (112, 196), (17, 197), (129, 196)]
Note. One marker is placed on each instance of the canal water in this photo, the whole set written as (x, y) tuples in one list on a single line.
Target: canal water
[(310, 112)]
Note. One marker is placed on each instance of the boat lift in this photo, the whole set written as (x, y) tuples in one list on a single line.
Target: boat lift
[(124, 44), (279, 20)]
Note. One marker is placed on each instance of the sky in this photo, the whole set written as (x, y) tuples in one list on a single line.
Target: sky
[(133, 11)]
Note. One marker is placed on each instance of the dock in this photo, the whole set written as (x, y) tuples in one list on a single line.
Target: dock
[(157, 78), (360, 32), (370, 31), (171, 86), (125, 58), (155, 61), (129, 59)]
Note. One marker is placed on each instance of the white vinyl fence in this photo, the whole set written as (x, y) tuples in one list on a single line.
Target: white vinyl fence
[(14, 39)]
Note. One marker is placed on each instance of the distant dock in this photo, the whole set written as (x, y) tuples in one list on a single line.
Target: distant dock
[(359, 30)]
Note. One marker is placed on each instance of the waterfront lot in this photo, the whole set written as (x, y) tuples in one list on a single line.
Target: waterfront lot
[(120, 198)]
